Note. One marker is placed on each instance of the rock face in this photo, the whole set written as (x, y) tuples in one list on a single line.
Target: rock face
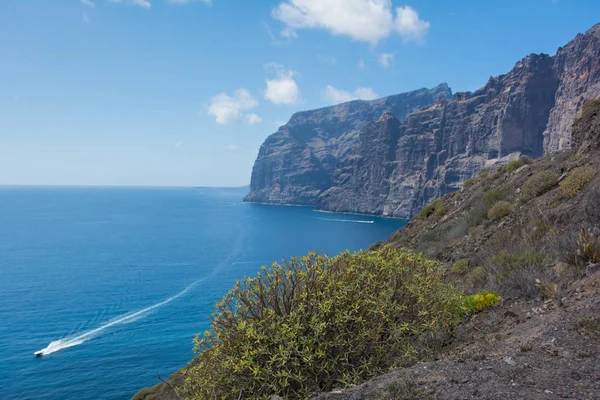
[(392, 156), (296, 164)]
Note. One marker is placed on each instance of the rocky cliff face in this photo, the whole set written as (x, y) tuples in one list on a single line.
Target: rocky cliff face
[(337, 159), (296, 164)]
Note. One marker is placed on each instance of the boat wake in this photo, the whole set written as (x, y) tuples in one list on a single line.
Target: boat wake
[(76, 340), (356, 221)]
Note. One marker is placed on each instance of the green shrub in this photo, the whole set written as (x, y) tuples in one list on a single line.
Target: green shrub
[(460, 267), (315, 322), (484, 173), (480, 301), (493, 196), (500, 210), (508, 261), (478, 274), (469, 182), (539, 184), (576, 181), (437, 208), (513, 166)]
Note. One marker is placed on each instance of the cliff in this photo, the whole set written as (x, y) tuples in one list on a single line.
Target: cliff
[(348, 159), (297, 163)]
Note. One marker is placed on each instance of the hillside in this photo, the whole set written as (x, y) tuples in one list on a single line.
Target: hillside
[(395, 163)]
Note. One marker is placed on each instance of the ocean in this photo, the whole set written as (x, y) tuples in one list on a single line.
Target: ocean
[(112, 284)]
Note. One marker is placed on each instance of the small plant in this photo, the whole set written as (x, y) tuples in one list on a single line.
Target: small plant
[(539, 184), (484, 174), (480, 301), (493, 196), (589, 327), (478, 274), (437, 208), (469, 182), (508, 261), (548, 290), (460, 267), (404, 390), (514, 165), (500, 210), (576, 181), (526, 347), (588, 246)]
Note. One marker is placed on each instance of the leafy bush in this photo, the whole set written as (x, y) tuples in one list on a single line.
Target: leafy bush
[(460, 267), (480, 301), (437, 208), (314, 322), (513, 165), (575, 182), (539, 184), (493, 196), (478, 274), (500, 210), (469, 182)]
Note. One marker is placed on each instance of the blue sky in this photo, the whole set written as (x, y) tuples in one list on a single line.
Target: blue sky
[(182, 93)]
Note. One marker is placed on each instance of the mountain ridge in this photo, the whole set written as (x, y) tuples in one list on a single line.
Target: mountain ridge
[(439, 146)]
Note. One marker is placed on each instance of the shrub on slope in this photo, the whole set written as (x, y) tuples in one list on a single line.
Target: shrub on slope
[(315, 322)]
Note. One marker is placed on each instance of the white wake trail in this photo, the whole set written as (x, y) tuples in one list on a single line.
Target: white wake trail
[(82, 338), (356, 221)]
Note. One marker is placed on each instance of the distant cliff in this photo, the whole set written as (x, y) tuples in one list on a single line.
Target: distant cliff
[(391, 156), (296, 164)]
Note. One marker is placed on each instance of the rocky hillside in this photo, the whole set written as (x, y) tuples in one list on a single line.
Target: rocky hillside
[(397, 162), (530, 231)]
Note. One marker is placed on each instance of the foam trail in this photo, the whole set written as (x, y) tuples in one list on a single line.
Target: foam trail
[(356, 221), (127, 318)]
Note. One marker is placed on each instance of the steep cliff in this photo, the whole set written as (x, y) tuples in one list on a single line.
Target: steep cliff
[(393, 165), (296, 164)]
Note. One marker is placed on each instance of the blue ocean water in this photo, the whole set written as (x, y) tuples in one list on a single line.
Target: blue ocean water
[(115, 282)]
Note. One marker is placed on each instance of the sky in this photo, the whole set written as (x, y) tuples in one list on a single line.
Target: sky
[(184, 92)]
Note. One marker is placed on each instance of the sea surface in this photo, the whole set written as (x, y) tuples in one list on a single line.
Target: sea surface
[(112, 284)]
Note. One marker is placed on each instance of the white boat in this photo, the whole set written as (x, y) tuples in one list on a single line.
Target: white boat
[(38, 353)]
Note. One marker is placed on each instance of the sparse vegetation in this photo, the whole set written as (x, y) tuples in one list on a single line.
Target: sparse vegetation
[(484, 173), (589, 108), (437, 208), (469, 182), (577, 179), (314, 322), (539, 184), (403, 390), (588, 246), (500, 210), (460, 267), (513, 165), (478, 274)]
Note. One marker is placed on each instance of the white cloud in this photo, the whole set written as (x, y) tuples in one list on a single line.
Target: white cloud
[(141, 3), (335, 96), (230, 147), (361, 64), (410, 27), (179, 144), (283, 89), (228, 109), (363, 20), (386, 59), (253, 119), (88, 3)]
